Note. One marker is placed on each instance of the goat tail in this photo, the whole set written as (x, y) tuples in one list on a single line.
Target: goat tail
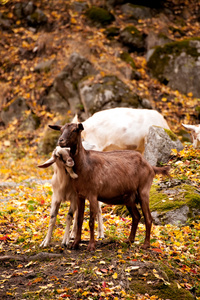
[(162, 170)]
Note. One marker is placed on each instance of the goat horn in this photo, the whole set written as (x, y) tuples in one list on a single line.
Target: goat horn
[(47, 163), (75, 119), (189, 127)]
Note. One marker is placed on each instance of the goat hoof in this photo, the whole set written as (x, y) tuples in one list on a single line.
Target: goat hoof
[(75, 246), (44, 244), (128, 242), (145, 246), (91, 247), (64, 245), (101, 236)]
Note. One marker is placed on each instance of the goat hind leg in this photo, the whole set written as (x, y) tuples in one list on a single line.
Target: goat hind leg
[(147, 219), (100, 222), (135, 220)]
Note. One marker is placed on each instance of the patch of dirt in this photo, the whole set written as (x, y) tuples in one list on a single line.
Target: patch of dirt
[(113, 270)]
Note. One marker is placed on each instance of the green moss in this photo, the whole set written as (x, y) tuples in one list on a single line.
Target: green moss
[(173, 292), (160, 202), (99, 15), (160, 289), (170, 274), (197, 108), (192, 197), (172, 136), (182, 195), (125, 56), (112, 32), (132, 30)]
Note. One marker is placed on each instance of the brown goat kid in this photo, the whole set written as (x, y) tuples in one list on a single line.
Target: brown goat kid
[(116, 177)]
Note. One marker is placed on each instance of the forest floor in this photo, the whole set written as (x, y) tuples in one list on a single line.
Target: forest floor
[(168, 270)]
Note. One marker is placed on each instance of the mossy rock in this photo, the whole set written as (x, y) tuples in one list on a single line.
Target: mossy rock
[(177, 205), (164, 201), (182, 195), (130, 36), (112, 32), (172, 135), (98, 15), (177, 64), (163, 285), (125, 56)]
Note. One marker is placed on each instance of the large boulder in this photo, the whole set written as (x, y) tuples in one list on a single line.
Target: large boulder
[(177, 65), (159, 144), (106, 93), (63, 95)]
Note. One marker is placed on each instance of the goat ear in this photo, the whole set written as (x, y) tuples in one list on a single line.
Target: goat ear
[(55, 127), (47, 163), (80, 127)]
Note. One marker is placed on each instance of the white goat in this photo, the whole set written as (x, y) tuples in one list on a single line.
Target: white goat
[(195, 132), (63, 191), (120, 128)]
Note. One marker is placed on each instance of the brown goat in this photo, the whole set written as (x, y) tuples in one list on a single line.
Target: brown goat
[(116, 177)]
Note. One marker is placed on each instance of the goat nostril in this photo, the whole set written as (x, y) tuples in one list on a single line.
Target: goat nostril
[(61, 140)]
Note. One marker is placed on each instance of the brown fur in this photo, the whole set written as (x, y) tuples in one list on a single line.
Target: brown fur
[(116, 177)]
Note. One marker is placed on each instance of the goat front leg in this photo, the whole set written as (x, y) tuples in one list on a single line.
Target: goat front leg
[(99, 220), (75, 223), (93, 214), (53, 214), (81, 208), (72, 209)]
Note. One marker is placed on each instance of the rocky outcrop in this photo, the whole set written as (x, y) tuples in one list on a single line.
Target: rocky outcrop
[(159, 144), (177, 65), (80, 87)]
